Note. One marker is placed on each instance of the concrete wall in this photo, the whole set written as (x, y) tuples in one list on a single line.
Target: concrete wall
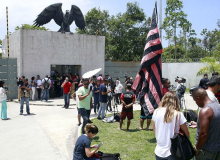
[(37, 50), (169, 70)]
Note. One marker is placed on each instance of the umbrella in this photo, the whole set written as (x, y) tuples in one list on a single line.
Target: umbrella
[(91, 73)]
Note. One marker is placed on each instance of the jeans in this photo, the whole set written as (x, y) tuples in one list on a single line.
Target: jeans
[(102, 109), (118, 98), (26, 99), (39, 93), (180, 96), (47, 93), (66, 97), (166, 158), (109, 103), (33, 92), (96, 103), (3, 109), (84, 115)]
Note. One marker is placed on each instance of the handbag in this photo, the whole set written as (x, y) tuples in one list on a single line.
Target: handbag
[(109, 156), (181, 147)]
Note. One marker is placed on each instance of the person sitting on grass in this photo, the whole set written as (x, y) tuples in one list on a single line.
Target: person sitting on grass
[(82, 150), (127, 100), (164, 124)]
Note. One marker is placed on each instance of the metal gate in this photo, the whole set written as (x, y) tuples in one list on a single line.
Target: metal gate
[(8, 73)]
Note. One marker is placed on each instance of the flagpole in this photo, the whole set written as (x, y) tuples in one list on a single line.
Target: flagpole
[(160, 20), (7, 30)]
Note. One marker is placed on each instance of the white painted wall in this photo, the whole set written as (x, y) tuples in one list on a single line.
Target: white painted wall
[(36, 50), (169, 70)]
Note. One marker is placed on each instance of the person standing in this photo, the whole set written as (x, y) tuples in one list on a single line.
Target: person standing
[(118, 91), (58, 86), (109, 96), (52, 87), (208, 129), (178, 87), (164, 124), (85, 102), (77, 81), (39, 87), (46, 84), (203, 82), (20, 82), (103, 99), (3, 103), (33, 87), (25, 95), (66, 92), (166, 86), (127, 99), (96, 89)]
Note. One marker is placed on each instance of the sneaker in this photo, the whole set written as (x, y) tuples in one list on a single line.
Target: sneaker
[(28, 113), (63, 107), (98, 118), (21, 113)]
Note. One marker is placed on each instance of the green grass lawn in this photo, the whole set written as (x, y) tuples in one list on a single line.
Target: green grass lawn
[(132, 145)]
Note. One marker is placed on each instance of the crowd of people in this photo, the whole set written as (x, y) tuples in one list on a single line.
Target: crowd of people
[(97, 92)]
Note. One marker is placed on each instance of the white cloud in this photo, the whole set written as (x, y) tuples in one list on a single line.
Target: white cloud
[(26, 11)]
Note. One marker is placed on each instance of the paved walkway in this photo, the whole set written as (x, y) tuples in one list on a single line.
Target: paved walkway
[(49, 133)]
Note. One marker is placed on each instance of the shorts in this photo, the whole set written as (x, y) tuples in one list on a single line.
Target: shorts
[(143, 116), (78, 110), (125, 114)]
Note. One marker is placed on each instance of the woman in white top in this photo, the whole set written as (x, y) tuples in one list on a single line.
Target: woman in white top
[(3, 98), (164, 120), (33, 87), (118, 91)]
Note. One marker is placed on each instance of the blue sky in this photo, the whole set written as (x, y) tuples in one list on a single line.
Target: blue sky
[(201, 13)]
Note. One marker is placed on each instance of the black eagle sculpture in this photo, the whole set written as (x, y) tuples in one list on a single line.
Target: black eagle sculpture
[(54, 11)]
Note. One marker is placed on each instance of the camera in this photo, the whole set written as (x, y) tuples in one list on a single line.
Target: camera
[(6, 88), (183, 80), (126, 76)]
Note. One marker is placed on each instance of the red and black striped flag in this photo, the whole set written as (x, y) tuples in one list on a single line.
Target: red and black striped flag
[(148, 80)]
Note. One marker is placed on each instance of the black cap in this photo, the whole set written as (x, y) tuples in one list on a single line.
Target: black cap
[(205, 74)]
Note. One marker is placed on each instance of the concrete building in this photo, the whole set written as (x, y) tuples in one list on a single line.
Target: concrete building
[(42, 52)]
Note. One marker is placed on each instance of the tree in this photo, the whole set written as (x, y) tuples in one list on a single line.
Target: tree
[(175, 18), (0, 42), (28, 26), (211, 66), (125, 34)]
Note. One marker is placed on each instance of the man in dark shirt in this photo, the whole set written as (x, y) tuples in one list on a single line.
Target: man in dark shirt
[(127, 100), (103, 99), (204, 81)]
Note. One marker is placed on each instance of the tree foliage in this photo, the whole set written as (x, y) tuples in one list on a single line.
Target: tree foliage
[(211, 66), (28, 26), (125, 33)]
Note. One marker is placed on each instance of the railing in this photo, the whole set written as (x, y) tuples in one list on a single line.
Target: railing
[(186, 60)]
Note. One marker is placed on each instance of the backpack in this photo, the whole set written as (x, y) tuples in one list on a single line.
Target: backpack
[(46, 84), (182, 89)]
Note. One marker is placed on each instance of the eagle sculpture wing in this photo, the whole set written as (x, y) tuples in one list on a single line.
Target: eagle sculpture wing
[(76, 14), (53, 11)]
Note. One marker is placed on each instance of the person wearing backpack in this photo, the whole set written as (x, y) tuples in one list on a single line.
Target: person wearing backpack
[(180, 90), (46, 84)]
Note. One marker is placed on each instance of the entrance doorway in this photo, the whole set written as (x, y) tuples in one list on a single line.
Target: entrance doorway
[(63, 70)]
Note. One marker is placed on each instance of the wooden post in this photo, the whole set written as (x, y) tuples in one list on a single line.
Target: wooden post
[(7, 30)]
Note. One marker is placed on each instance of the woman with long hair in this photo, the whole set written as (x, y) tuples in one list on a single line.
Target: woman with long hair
[(33, 87), (82, 150), (3, 104), (164, 120)]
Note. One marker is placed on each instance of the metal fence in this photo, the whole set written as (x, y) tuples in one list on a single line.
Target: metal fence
[(8, 73)]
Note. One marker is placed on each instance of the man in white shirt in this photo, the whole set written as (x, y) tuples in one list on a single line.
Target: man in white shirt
[(46, 84), (118, 91)]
